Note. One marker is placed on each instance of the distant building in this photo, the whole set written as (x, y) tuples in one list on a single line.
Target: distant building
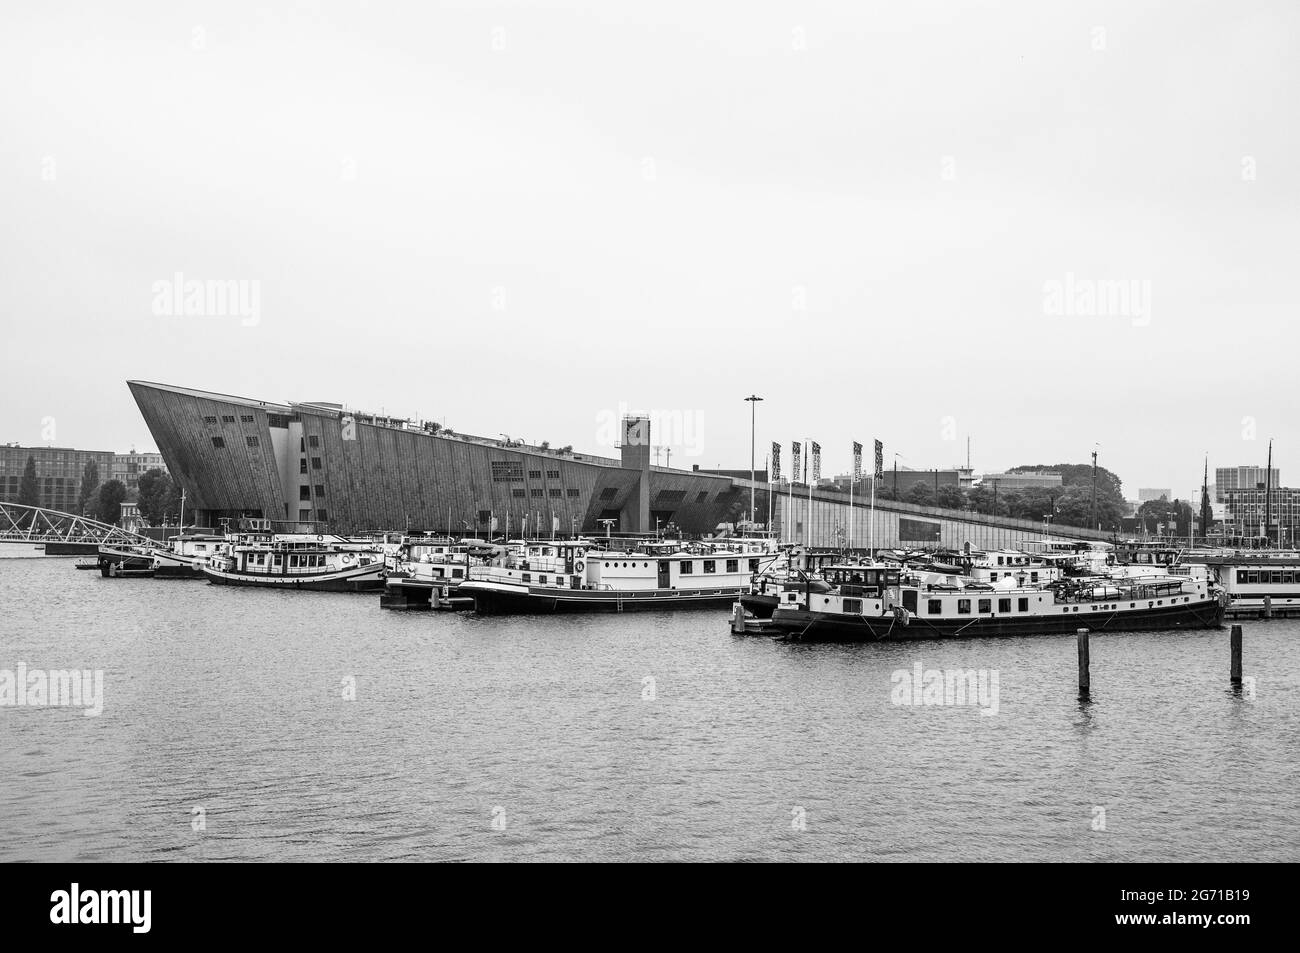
[(1242, 478), (1033, 479), (58, 473), (127, 467), (1244, 512), (1147, 494)]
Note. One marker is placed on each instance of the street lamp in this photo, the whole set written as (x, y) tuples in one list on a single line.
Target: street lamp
[(752, 400)]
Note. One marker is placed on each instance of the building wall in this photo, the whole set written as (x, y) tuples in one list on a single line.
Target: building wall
[(1242, 478), (127, 467), (360, 475), (58, 473)]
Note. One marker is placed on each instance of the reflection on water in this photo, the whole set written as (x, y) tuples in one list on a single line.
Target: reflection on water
[(301, 726)]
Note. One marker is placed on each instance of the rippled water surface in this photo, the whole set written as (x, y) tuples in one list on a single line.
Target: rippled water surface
[(531, 739)]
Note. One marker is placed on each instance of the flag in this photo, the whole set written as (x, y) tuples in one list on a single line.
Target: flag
[(857, 461), (794, 459), (775, 475), (816, 461), (555, 523), (880, 460)]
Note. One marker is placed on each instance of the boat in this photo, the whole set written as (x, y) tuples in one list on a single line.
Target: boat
[(1256, 583), (883, 606), (426, 571), (257, 556), (185, 555), (574, 576), (117, 560)]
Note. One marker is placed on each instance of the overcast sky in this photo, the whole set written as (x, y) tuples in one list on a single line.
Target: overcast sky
[(520, 217)]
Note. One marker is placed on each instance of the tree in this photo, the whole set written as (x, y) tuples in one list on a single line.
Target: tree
[(950, 497), (920, 493), (89, 484), (108, 506), (29, 493), (159, 497), (1076, 484)]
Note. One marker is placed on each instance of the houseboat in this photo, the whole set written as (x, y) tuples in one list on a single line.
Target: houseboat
[(126, 559), (322, 562), (1249, 580), (876, 604), (426, 571), (573, 576), (185, 556)]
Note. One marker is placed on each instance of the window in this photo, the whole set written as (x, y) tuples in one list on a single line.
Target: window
[(528, 577), (986, 605), (313, 440), (315, 463), (1033, 577), (963, 607), (322, 516), (252, 441), (733, 565), (209, 419), (534, 474), (541, 580), (1001, 561), (507, 471), (538, 491), (993, 577), (227, 418), (710, 565), (571, 491), (278, 420), (245, 418), (1022, 605), (853, 605), (302, 465), (519, 491), (934, 606), (304, 492), (304, 515), (1004, 605), (218, 442), (687, 567), (320, 489), (552, 474), (753, 565), (556, 492)]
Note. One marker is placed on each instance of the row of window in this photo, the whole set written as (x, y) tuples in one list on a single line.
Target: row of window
[(251, 441), (304, 491), (229, 419), (1267, 577), (538, 493), (935, 606)]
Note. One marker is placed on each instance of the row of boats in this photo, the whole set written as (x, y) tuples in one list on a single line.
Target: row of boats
[(1048, 586)]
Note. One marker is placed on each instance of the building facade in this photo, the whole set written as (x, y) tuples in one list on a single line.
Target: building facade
[(1031, 480), (127, 467), (1243, 478), (58, 473), (1244, 513)]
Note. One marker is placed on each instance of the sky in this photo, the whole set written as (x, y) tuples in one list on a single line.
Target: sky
[(1045, 227)]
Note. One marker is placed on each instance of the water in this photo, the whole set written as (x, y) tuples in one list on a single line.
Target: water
[(231, 700)]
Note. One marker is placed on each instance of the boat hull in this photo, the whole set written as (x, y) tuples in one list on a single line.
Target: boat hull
[(356, 579), (821, 626), (511, 600)]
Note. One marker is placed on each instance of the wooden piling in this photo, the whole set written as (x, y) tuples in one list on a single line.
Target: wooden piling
[(1084, 679), (737, 619), (1236, 654), (1268, 607)]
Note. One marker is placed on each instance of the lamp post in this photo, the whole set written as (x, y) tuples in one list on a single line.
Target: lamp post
[(752, 400)]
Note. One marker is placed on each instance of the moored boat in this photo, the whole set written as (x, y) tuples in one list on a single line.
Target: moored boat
[(322, 562)]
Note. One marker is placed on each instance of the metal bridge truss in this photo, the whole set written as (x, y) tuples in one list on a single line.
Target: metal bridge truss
[(36, 525)]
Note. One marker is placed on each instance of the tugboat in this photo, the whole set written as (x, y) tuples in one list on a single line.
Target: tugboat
[(259, 557), (877, 604), (573, 576)]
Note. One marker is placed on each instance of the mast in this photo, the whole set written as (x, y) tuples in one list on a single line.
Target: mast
[(1268, 493)]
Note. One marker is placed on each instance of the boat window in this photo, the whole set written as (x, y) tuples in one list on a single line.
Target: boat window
[(963, 607), (853, 605), (1022, 605), (1004, 605), (710, 565), (687, 567), (541, 580), (733, 565), (753, 565), (986, 605), (528, 577), (934, 606)]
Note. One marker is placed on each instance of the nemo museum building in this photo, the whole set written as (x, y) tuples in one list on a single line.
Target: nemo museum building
[(353, 472)]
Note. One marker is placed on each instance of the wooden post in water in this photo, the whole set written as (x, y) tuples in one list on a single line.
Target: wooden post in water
[(1268, 607), (1083, 662), (1236, 654)]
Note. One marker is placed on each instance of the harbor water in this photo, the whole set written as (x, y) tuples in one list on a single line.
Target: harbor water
[(244, 724)]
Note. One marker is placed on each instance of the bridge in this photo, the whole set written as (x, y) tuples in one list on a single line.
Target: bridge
[(36, 527)]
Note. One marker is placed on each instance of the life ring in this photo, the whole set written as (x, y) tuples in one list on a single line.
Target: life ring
[(320, 539), (579, 565), (347, 559)]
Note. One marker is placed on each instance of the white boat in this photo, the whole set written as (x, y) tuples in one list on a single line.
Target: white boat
[(185, 556), (324, 562)]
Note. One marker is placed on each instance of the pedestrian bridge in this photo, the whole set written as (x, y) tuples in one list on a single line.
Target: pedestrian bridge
[(33, 524)]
